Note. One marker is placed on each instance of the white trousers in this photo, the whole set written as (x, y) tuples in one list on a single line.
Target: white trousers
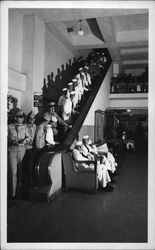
[(103, 175)]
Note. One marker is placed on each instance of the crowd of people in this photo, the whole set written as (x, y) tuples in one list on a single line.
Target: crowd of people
[(129, 83), (86, 151), (90, 67), (29, 135)]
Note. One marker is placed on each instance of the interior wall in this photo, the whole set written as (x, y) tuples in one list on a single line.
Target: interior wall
[(16, 80), (15, 40), (56, 54), (33, 53), (101, 102), (134, 72), (138, 101)]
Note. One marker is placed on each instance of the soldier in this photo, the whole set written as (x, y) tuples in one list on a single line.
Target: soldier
[(40, 140), (17, 138), (29, 159)]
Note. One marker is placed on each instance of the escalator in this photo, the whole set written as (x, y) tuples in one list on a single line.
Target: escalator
[(44, 167)]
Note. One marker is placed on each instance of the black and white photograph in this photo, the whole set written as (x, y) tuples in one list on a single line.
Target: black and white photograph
[(77, 125)]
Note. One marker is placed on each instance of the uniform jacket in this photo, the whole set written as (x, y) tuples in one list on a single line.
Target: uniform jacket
[(17, 135)]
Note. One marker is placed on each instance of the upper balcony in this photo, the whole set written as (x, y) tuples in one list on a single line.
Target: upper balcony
[(129, 92)]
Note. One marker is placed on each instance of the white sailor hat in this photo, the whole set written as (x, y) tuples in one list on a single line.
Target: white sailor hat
[(80, 69), (85, 137), (86, 67), (78, 76), (74, 80), (72, 93), (90, 142), (70, 83), (78, 143), (64, 89)]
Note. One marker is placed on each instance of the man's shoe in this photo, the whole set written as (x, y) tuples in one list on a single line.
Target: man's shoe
[(108, 188), (113, 181)]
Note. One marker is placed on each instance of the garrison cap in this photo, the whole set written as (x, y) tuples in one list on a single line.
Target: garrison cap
[(19, 113), (51, 104), (46, 116), (31, 114)]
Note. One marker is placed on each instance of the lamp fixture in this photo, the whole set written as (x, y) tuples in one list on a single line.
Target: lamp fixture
[(80, 32)]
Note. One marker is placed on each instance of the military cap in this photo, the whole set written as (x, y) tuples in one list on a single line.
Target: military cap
[(31, 114), (46, 116), (19, 113), (51, 104)]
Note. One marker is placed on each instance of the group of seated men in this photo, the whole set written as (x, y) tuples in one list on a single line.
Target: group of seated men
[(85, 151)]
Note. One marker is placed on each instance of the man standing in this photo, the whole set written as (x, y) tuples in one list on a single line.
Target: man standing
[(17, 138)]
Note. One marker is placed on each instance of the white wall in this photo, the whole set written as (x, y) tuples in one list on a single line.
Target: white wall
[(16, 79), (33, 58), (134, 72), (56, 54), (135, 100), (15, 40), (101, 102), (33, 53)]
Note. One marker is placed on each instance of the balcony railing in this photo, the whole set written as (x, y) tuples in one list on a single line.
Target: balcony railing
[(117, 88)]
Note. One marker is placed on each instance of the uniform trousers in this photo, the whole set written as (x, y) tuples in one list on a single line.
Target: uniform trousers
[(28, 169), (15, 156)]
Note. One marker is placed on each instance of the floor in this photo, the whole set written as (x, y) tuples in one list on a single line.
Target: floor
[(119, 216)]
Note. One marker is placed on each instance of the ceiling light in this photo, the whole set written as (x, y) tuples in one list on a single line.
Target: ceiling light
[(80, 31)]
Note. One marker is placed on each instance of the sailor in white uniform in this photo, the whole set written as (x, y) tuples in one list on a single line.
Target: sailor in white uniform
[(102, 173)]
